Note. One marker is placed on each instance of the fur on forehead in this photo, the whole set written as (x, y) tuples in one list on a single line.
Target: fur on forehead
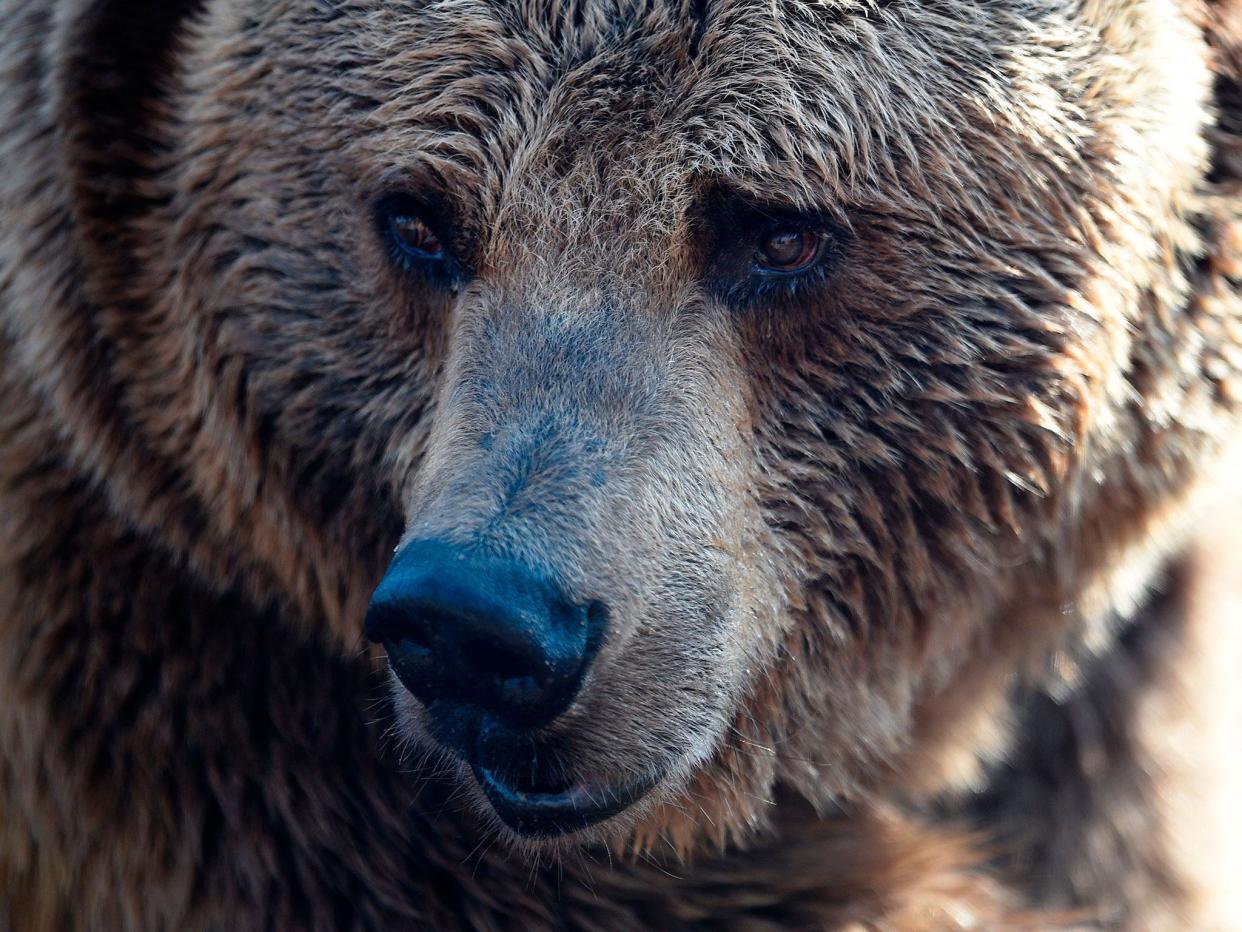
[(815, 104)]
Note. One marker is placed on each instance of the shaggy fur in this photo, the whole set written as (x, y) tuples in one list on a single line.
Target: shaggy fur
[(923, 577)]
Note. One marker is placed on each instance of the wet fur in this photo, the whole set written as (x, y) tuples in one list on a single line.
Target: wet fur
[(957, 504)]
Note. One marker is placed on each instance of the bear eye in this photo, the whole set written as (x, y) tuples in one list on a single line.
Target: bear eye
[(421, 239), (764, 253), (789, 250), (414, 236)]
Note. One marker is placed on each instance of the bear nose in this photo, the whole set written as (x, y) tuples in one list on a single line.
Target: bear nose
[(482, 631)]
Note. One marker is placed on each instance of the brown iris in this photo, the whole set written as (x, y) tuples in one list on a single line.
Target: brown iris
[(414, 236), (789, 250)]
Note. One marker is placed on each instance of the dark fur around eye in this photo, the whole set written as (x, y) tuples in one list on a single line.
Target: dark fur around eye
[(738, 228)]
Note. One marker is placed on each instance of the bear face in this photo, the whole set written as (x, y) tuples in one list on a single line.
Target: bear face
[(791, 347)]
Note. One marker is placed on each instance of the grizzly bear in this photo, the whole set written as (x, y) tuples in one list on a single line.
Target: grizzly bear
[(620, 464)]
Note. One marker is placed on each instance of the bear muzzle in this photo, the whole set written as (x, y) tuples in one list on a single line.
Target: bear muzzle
[(495, 652)]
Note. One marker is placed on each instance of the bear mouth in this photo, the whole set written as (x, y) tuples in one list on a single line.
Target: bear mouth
[(527, 776), (541, 810)]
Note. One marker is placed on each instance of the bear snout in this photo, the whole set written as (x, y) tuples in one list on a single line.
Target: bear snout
[(484, 635)]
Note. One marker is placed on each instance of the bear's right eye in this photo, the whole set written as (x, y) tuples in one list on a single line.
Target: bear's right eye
[(414, 236)]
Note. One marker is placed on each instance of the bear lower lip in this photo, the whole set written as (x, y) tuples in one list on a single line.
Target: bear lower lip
[(547, 815)]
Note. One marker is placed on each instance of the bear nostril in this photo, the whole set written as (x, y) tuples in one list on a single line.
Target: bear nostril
[(502, 661), (413, 662), (393, 620), (521, 693)]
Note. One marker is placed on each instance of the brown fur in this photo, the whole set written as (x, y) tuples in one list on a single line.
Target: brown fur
[(923, 581)]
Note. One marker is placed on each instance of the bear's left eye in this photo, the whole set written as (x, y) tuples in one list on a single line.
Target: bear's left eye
[(789, 250)]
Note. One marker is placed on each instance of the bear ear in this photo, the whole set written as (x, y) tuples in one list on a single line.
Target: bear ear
[(113, 56)]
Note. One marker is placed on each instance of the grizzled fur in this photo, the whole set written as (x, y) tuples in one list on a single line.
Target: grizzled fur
[(920, 576)]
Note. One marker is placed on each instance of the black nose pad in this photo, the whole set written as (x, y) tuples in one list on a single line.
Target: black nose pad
[(483, 631)]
